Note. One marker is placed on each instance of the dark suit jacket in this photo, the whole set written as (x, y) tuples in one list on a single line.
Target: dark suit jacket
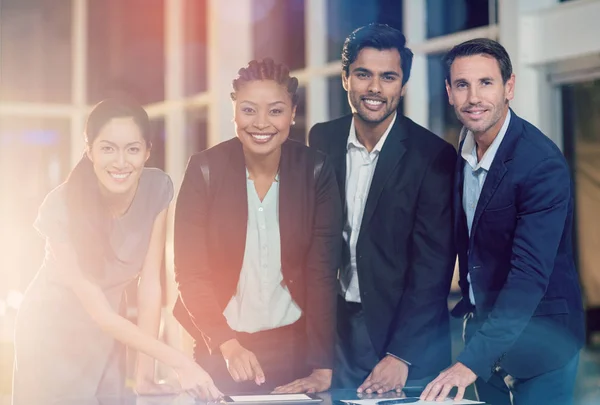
[(210, 237), (520, 259), (405, 251)]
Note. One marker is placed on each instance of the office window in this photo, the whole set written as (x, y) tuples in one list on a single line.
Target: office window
[(442, 119), (338, 98), (196, 130), (344, 16), (35, 49), (157, 154), (299, 131), (126, 49), (278, 31), (581, 146), (195, 51), (449, 16), (34, 159)]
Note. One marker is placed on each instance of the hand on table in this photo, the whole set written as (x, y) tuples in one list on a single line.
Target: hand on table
[(389, 374), (147, 386), (242, 363), (458, 375), (318, 381), (196, 382)]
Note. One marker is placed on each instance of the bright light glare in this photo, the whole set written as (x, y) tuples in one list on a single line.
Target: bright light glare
[(14, 299)]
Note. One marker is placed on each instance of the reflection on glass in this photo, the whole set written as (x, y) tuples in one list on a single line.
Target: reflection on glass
[(581, 103), (126, 49), (442, 119), (278, 31), (35, 44), (34, 158), (449, 16), (344, 16), (195, 47)]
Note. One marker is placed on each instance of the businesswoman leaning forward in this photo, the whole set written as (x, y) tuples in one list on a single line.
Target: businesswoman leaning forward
[(257, 242)]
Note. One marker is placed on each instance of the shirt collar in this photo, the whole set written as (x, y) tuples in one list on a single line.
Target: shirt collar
[(276, 180), (469, 149), (354, 142)]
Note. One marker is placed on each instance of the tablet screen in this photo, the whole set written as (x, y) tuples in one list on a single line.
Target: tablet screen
[(270, 398)]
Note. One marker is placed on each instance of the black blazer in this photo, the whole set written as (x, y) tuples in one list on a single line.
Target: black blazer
[(520, 257), (405, 247), (210, 238)]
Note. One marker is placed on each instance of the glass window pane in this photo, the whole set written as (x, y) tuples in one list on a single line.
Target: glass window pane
[(344, 16), (338, 99), (34, 158), (126, 49), (299, 131), (581, 145), (157, 154), (442, 119), (35, 49), (196, 130), (449, 16), (195, 47), (278, 31)]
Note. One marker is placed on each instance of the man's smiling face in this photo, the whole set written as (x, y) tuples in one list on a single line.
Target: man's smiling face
[(374, 84)]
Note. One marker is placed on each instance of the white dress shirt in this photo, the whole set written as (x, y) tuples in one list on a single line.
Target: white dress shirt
[(261, 302), (475, 174), (360, 167)]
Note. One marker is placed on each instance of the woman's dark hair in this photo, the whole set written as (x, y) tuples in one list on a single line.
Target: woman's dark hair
[(380, 37), (88, 218), (480, 46), (267, 69)]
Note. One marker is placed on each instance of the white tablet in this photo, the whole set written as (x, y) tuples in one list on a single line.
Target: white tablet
[(272, 399)]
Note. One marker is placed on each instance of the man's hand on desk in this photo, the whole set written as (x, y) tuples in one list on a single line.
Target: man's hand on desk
[(242, 363), (458, 375), (318, 381), (389, 374)]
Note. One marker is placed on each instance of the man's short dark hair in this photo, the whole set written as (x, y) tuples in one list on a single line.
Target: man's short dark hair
[(480, 46), (378, 36)]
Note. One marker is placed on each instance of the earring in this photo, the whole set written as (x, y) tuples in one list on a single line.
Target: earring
[(293, 122)]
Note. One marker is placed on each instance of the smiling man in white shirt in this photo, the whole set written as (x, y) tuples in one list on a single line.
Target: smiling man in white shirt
[(395, 178)]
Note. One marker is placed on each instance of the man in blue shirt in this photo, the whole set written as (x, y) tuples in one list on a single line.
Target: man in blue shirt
[(513, 208)]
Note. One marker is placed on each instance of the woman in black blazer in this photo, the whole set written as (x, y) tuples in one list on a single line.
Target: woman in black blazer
[(258, 228)]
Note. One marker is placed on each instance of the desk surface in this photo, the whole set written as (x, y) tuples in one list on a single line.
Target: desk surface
[(329, 398)]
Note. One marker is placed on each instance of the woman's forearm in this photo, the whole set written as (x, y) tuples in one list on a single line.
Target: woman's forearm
[(125, 331), (148, 320)]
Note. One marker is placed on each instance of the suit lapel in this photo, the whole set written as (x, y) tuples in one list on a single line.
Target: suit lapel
[(235, 203), (498, 168), (494, 176), (460, 224), (290, 194), (337, 154), (391, 153)]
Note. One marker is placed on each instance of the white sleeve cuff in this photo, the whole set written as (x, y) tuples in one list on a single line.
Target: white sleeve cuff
[(396, 357)]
